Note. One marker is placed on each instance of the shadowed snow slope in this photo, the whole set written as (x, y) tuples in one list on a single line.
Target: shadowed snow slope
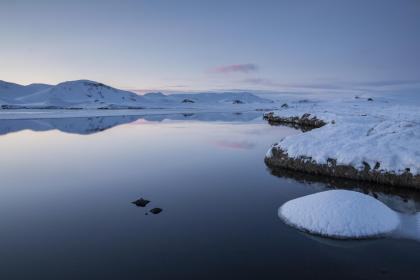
[(340, 214), (10, 91)]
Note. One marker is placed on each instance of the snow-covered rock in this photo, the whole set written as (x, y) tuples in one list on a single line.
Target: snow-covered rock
[(340, 214)]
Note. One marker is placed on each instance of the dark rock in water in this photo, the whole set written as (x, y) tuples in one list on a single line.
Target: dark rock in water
[(141, 202), (156, 210), (188, 101), (285, 105), (305, 122), (370, 99), (237, 101)]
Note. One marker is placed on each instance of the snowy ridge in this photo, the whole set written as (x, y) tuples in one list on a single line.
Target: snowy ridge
[(360, 132)]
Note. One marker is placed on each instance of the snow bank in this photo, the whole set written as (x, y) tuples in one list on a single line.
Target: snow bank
[(340, 214), (377, 135)]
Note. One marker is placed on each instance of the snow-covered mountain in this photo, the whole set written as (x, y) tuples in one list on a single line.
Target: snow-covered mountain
[(85, 94), (81, 94)]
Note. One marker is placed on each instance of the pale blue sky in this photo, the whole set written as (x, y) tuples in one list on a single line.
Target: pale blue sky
[(183, 45)]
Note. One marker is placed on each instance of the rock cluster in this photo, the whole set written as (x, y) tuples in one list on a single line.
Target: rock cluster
[(280, 159)]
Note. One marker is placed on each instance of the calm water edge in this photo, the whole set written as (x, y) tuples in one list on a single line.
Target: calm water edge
[(66, 212)]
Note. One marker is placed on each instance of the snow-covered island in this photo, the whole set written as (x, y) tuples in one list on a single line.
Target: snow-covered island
[(343, 214), (340, 214), (374, 139)]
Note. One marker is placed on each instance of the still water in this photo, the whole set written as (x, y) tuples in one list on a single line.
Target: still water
[(66, 212)]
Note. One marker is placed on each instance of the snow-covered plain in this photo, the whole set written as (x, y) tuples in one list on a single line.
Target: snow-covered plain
[(340, 214), (382, 131)]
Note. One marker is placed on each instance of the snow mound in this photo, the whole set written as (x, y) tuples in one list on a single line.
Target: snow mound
[(340, 214)]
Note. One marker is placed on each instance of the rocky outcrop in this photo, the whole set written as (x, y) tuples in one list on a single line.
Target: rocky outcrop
[(306, 120), (278, 158)]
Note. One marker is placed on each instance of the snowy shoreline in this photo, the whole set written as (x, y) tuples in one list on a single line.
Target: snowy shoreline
[(359, 139)]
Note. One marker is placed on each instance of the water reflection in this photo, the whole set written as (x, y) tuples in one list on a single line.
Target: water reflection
[(90, 125), (65, 203)]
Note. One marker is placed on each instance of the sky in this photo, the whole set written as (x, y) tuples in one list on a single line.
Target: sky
[(187, 45)]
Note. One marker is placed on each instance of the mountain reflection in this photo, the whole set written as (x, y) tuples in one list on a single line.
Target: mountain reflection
[(90, 125)]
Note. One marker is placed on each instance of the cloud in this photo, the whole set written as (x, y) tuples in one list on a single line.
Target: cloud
[(235, 68)]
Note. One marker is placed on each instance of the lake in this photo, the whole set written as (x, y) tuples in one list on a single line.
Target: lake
[(68, 185)]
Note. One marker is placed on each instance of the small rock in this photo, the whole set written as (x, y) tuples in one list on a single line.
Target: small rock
[(156, 210), (370, 99), (285, 105), (141, 202)]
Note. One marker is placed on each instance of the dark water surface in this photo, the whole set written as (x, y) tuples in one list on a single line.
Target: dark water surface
[(66, 212)]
